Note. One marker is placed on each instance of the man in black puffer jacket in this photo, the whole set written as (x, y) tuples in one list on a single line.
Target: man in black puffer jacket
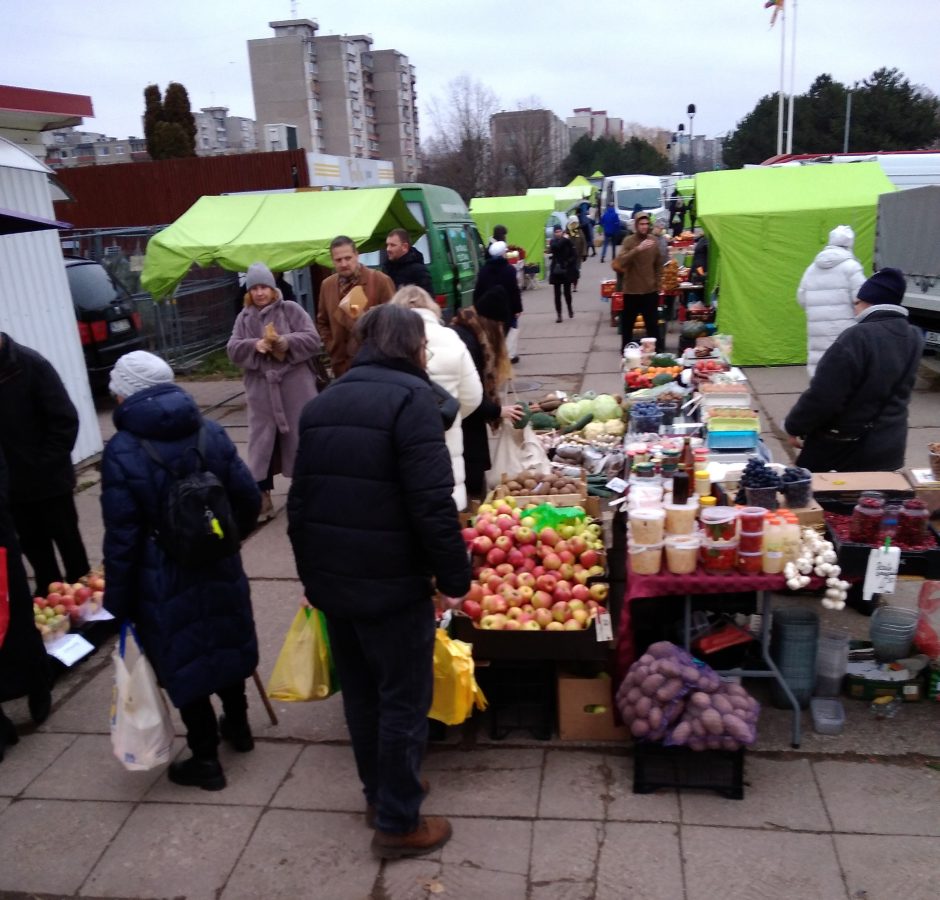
[(196, 624), (853, 415), (405, 264), (373, 526)]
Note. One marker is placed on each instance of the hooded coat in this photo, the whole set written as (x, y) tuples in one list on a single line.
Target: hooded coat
[(826, 291), (451, 366), (494, 274), (640, 268), (853, 415), (276, 390), (370, 514), (196, 625), (409, 269)]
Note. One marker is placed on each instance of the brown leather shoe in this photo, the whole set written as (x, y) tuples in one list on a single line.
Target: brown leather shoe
[(370, 809), (432, 832)]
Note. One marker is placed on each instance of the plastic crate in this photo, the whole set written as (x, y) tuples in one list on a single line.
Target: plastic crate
[(656, 766), (520, 697), (828, 715), (732, 423), (732, 440)]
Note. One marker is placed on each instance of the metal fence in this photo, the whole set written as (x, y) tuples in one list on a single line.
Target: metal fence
[(185, 329)]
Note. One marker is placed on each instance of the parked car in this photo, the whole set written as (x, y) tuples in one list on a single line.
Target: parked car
[(108, 320)]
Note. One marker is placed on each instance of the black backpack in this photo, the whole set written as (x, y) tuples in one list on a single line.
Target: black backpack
[(196, 526)]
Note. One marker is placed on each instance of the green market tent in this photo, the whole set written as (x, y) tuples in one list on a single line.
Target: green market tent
[(580, 181), (524, 218), (565, 197), (765, 227), (597, 174), (285, 231), (686, 186)]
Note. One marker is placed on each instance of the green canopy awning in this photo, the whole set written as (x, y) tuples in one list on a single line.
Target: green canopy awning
[(765, 226), (565, 197), (525, 219), (580, 181), (284, 231)]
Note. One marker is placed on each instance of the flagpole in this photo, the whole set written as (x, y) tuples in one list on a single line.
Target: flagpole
[(783, 34), (792, 82)]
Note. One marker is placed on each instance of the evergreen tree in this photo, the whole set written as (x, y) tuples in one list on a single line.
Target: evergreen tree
[(610, 156), (176, 109), (163, 141), (171, 141), (153, 113)]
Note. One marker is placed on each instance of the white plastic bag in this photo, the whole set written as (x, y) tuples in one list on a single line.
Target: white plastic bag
[(516, 450), (141, 730)]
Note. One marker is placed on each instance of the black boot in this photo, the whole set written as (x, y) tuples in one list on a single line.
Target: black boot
[(570, 312), (8, 735), (39, 698), (202, 772), (238, 734)]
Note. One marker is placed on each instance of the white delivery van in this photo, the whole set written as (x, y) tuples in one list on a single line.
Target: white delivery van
[(626, 191)]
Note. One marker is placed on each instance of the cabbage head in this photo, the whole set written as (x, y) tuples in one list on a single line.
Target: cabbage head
[(567, 414), (605, 407)]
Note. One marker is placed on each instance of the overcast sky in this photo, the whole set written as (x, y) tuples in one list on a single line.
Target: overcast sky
[(643, 61)]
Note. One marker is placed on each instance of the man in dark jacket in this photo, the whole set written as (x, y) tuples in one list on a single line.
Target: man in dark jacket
[(497, 276), (853, 415), (373, 527), (196, 624), (641, 273), (404, 263), (39, 428), (610, 222)]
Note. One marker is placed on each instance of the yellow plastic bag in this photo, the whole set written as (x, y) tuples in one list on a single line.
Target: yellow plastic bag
[(456, 691), (304, 667)]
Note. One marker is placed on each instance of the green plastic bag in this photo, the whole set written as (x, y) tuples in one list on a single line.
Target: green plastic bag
[(549, 516)]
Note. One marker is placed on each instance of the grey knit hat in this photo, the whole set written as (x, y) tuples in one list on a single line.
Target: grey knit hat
[(259, 273)]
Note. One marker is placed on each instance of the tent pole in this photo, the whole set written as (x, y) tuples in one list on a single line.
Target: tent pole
[(783, 35), (792, 82)]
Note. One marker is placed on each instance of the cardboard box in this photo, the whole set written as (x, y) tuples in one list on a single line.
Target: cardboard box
[(844, 487), (925, 488), (585, 709), (810, 516), (560, 646)]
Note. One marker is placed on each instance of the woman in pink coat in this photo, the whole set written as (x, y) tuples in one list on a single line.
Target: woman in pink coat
[(274, 342)]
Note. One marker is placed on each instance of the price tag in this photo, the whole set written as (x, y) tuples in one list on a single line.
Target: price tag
[(69, 649), (617, 485), (99, 615), (881, 574), (605, 631)]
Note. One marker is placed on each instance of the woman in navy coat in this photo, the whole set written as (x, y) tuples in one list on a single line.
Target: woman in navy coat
[(196, 624)]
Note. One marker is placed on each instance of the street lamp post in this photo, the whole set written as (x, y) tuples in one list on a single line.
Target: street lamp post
[(690, 111)]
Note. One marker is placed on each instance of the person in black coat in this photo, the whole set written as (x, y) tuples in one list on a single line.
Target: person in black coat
[(24, 667), (853, 415), (38, 451), (495, 274), (563, 271), (195, 624), (374, 529), (404, 264)]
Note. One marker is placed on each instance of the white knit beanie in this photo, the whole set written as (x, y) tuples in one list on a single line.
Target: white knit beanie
[(842, 236), (136, 371), (498, 248)]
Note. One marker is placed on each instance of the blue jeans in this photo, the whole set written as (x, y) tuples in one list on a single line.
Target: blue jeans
[(386, 675), (610, 240)]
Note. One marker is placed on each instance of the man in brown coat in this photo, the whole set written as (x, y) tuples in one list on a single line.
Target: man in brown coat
[(344, 297), (641, 272)]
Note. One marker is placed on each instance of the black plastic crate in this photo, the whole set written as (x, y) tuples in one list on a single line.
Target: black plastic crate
[(520, 697), (656, 766)]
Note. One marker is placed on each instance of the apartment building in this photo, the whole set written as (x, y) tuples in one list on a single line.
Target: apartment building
[(285, 80), (528, 148), (218, 133), (67, 148), (594, 123), (396, 113), (344, 98)]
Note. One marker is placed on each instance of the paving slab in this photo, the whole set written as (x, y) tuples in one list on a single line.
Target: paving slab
[(776, 407), (886, 867), (535, 364), (557, 343), (607, 342), (252, 778), (601, 383), (882, 798), (778, 794), (642, 862), (777, 379), (489, 783), (741, 864), (86, 710), (29, 759), (4, 803), (413, 879), (564, 857), (549, 328), (294, 854), (88, 770), (88, 507), (50, 846), (575, 785), (304, 786), (607, 363), (173, 850), (267, 554), (625, 806)]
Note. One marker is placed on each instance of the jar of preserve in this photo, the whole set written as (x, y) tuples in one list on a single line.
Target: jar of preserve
[(865, 523), (912, 523)]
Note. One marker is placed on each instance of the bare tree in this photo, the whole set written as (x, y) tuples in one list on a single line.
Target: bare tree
[(658, 137), (459, 153), (528, 147)]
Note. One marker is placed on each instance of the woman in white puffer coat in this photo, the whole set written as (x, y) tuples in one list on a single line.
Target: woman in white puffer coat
[(450, 366), (826, 292)]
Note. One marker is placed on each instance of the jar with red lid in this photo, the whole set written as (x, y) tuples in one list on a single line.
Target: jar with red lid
[(912, 523), (865, 523)]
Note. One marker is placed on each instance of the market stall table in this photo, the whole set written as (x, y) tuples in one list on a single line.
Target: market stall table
[(699, 582)]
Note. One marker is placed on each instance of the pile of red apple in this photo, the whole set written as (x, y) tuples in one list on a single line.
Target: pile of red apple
[(533, 580), (67, 603)]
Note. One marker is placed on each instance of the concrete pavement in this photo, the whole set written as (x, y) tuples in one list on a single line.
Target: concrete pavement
[(853, 816)]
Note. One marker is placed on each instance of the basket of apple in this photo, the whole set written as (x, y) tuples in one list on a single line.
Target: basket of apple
[(74, 601), (531, 579)]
